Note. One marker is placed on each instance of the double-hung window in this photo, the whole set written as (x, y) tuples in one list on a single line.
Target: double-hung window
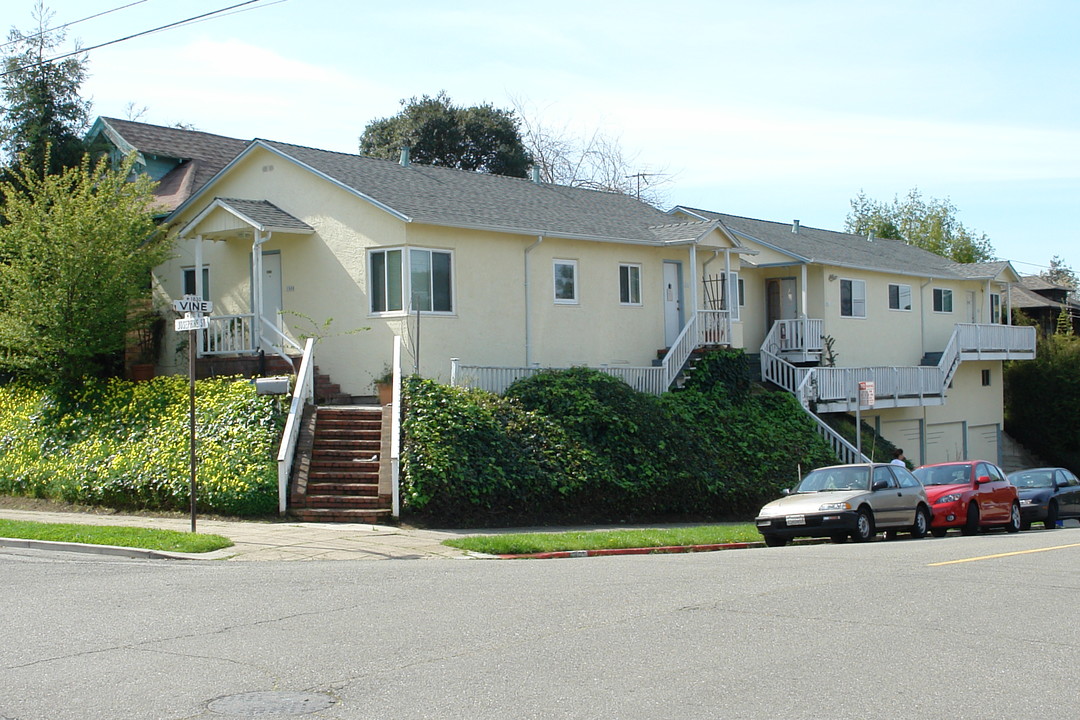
[(424, 276), (899, 296), (995, 309), (942, 300), (565, 275), (189, 282), (629, 284), (853, 298), (736, 297)]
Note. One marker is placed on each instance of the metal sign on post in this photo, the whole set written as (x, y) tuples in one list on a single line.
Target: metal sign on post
[(193, 308), (866, 393)]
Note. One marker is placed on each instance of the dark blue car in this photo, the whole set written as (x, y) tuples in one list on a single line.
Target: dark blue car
[(1047, 495)]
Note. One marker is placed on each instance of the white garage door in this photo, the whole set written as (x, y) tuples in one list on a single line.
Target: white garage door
[(983, 442), (944, 442)]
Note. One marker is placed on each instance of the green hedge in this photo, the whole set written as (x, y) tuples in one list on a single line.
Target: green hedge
[(125, 445), (1042, 401), (579, 445)]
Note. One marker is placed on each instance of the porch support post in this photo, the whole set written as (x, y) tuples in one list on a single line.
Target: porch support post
[(694, 288), (199, 289), (727, 281), (257, 286), (802, 298)]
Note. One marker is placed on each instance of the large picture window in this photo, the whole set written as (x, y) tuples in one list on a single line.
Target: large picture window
[(853, 298), (424, 276), (630, 284), (942, 300), (899, 296)]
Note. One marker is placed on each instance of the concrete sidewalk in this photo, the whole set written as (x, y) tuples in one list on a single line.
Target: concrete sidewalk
[(260, 540)]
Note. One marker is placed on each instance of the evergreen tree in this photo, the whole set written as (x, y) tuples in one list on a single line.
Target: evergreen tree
[(42, 105)]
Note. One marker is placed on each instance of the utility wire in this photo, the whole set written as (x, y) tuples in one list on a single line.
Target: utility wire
[(129, 37), (67, 25)]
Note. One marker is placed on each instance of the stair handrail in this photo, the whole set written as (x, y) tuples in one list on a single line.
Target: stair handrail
[(679, 351), (303, 392)]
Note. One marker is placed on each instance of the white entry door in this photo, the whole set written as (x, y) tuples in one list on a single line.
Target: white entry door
[(271, 290), (672, 302)]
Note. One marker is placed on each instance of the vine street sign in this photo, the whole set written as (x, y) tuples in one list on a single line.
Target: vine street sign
[(192, 304)]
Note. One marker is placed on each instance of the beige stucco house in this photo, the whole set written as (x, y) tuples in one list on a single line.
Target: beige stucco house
[(486, 278)]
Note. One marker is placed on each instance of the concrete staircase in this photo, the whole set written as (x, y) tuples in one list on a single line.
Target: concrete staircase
[(338, 479), (1015, 456)]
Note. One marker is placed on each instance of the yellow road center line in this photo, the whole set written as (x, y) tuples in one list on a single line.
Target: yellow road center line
[(1001, 555)]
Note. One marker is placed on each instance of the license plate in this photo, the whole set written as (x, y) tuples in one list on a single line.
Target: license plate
[(796, 520)]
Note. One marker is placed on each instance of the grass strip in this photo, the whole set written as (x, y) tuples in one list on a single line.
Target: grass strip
[(525, 543), (133, 537)]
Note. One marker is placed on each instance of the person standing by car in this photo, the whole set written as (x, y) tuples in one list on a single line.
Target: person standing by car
[(898, 458)]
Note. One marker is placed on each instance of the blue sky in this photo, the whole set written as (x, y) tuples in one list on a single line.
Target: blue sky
[(775, 109)]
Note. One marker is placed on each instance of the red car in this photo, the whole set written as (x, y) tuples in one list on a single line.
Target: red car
[(969, 495)]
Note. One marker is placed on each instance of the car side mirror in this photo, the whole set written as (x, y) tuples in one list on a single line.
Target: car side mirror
[(880, 484), (785, 491), (982, 479)]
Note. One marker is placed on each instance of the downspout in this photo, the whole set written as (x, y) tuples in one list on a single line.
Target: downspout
[(528, 304)]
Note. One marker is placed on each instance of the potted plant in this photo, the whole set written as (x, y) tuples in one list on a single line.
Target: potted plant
[(384, 386)]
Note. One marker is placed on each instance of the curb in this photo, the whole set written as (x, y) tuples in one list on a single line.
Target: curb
[(112, 550), (603, 552)]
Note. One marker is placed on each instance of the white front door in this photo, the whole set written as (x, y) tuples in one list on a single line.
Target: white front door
[(271, 290), (672, 302)]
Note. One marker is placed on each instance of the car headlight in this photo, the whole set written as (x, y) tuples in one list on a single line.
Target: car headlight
[(1025, 502), (952, 497), (829, 507)]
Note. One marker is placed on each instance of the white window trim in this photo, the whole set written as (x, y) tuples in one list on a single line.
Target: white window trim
[(576, 300), (952, 300), (206, 279), (732, 289), (888, 300), (406, 282), (853, 281), (628, 266)]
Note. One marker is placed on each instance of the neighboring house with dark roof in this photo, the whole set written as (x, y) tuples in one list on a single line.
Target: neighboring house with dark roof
[(925, 331), (1043, 301), (181, 160)]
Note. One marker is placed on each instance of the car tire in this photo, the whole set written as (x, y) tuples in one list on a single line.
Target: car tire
[(922, 522), (1014, 519), (938, 532), (839, 538), (1051, 520), (971, 527), (864, 526), (775, 541)]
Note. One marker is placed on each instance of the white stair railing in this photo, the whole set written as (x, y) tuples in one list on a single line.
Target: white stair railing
[(303, 392)]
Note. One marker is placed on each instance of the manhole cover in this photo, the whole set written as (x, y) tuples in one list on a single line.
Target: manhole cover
[(271, 703)]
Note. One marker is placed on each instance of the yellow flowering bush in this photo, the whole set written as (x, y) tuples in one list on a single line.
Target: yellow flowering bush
[(125, 445)]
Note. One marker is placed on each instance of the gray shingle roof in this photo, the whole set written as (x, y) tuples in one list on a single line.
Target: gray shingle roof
[(840, 249), (265, 214), (444, 196)]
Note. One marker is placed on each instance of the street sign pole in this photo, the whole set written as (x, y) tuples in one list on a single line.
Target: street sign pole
[(191, 426)]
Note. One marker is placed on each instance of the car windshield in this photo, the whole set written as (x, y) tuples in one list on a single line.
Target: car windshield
[(1033, 479), (836, 478), (944, 474)]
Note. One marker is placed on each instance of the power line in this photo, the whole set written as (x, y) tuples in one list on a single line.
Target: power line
[(178, 23), (67, 25)]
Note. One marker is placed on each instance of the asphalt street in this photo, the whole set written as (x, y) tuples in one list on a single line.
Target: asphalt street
[(882, 630)]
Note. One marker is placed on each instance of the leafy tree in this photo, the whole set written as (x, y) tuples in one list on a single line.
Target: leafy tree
[(480, 138), (76, 250), (927, 223), (1061, 274), (42, 103), (1042, 400)]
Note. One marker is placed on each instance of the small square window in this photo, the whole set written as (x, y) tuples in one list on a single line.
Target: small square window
[(853, 298), (899, 296), (565, 275), (942, 300), (189, 282)]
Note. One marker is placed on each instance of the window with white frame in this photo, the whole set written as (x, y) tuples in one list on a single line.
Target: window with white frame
[(424, 276), (189, 282), (995, 308), (942, 300), (629, 284), (852, 298), (899, 296), (565, 277)]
